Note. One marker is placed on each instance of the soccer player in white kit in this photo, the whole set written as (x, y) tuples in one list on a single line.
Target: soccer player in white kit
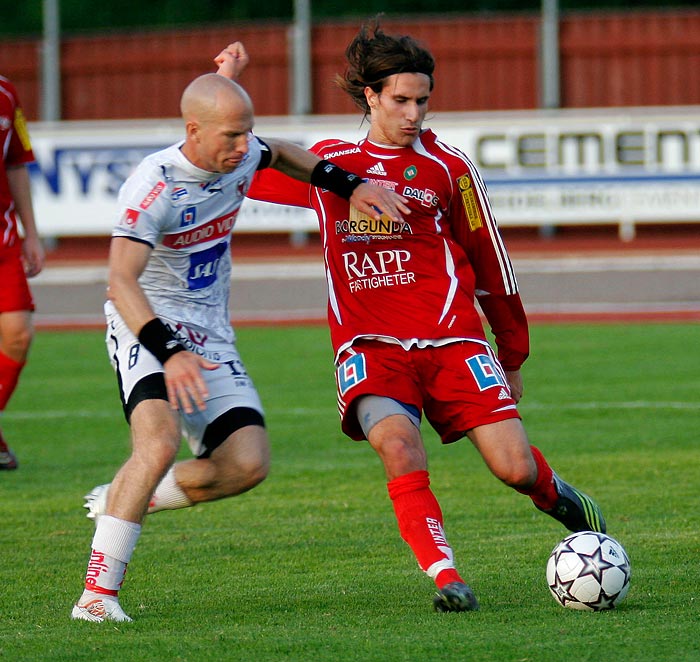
[(169, 334)]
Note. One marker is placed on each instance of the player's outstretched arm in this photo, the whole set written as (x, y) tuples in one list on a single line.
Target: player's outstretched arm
[(232, 60), (305, 166)]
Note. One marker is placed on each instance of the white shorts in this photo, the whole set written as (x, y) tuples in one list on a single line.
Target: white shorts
[(229, 386)]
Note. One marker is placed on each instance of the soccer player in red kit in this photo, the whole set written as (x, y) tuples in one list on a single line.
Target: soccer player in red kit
[(19, 258), (407, 336)]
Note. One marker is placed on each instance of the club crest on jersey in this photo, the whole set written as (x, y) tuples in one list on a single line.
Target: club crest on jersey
[(410, 173), (242, 187), (188, 216)]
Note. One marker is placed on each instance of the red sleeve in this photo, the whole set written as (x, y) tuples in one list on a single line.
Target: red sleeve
[(475, 229), (506, 317), (270, 185)]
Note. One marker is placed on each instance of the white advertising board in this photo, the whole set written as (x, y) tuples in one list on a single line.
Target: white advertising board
[(549, 168)]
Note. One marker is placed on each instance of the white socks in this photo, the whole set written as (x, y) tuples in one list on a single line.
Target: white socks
[(168, 495), (112, 546)]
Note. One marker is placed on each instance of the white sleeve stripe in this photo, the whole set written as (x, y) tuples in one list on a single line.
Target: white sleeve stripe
[(450, 267), (332, 298), (507, 272)]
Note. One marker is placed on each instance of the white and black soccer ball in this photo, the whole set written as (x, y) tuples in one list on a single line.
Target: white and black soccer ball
[(589, 571)]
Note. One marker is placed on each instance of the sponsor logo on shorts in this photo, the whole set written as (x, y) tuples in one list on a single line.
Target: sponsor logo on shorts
[(486, 373), (351, 372), (195, 337)]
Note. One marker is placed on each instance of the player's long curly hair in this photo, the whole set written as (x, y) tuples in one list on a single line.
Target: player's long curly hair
[(373, 56)]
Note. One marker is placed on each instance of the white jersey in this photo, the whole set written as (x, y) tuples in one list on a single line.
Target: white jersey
[(187, 214)]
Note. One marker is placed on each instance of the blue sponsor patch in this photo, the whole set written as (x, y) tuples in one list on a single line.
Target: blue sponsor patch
[(188, 216), (485, 372), (351, 372), (204, 266)]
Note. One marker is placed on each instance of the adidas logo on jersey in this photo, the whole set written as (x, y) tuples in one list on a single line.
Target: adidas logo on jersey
[(503, 395), (377, 169)]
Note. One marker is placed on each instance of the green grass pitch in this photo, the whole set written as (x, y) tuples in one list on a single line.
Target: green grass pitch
[(309, 566)]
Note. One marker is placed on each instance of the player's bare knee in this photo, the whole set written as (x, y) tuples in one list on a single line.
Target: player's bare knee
[(255, 469), (17, 343)]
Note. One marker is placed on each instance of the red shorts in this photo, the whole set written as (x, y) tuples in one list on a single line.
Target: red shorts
[(14, 288), (458, 386)]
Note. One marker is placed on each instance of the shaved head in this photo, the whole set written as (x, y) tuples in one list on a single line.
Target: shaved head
[(218, 116), (207, 96)]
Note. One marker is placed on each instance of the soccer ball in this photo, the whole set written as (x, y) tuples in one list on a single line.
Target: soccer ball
[(588, 571)]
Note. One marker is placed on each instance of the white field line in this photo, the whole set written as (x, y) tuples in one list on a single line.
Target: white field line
[(314, 411)]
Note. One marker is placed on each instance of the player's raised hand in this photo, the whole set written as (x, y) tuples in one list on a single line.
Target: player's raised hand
[(377, 201), (232, 60)]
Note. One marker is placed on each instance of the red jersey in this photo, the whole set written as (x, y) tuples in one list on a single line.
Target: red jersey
[(16, 150), (413, 281)]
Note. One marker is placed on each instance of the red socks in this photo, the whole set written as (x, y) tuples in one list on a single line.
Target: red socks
[(9, 374), (420, 523), (542, 492)]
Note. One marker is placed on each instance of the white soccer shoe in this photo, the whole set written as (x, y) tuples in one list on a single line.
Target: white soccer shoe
[(100, 610), (96, 501)]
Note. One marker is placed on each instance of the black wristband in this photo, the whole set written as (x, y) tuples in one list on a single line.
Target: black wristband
[(159, 340), (333, 178)]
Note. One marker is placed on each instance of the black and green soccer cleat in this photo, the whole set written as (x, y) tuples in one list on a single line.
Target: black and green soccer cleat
[(575, 510), (455, 596)]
